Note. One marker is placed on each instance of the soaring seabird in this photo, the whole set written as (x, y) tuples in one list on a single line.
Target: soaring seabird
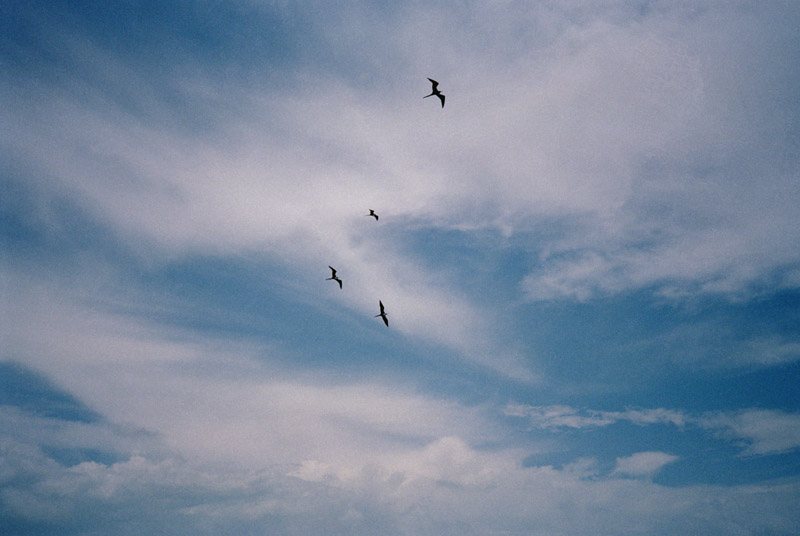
[(372, 213), (435, 91), (383, 314), (333, 276)]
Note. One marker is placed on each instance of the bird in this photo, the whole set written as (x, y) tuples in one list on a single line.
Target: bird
[(435, 91), (372, 213), (333, 276), (383, 314)]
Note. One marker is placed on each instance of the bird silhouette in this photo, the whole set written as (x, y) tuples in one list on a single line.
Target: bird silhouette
[(333, 276), (435, 91), (383, 314), (372, 213)]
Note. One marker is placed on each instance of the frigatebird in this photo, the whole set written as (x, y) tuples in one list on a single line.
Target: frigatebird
[(333, 276), (383, 314), (372, 213), (435, 91)]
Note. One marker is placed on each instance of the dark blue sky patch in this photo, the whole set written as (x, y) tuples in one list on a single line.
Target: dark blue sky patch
[(217, 33), (622, 344), (141, 61), (725, 468)]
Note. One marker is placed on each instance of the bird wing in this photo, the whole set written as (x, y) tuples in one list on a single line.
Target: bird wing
[(340, 282), (434, 83), (385, 320), (441, 97), (380, 303), (333, 271)]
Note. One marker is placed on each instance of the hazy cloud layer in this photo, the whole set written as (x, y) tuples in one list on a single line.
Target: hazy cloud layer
[(604, 215)]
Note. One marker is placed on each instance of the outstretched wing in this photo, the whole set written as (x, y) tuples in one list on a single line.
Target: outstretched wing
[(434, 83), (441, 98), (333, 271)]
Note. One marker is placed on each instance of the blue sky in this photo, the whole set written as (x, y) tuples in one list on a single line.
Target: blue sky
[(590, 259)]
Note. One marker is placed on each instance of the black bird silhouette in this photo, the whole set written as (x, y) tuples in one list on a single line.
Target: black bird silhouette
[(435, 91), (333, 276), (372, 213), (383, 314)]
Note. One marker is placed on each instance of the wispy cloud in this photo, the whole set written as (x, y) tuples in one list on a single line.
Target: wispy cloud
[(756, 431), (569, 417)]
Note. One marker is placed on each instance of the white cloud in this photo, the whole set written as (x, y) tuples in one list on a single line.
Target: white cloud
[(649, 416), (643, 464)]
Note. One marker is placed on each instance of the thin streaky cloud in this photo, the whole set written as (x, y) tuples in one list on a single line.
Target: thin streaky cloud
[(756, 431)]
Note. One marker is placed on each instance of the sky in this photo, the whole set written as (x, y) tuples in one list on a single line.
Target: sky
[(589, 258)]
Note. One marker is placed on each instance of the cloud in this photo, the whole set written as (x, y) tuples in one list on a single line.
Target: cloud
[(169, 195), (452, 489), (643, 464), (557, 416), (769, 351), (629, 181), (611, 148), (656, 213), (759, 431), (554, 417), (263, 406), (247, 445), (286, 170)]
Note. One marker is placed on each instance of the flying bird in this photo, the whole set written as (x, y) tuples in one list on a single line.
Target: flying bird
[(435, 91), (372, 213), (333, 276), (383, 314)]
